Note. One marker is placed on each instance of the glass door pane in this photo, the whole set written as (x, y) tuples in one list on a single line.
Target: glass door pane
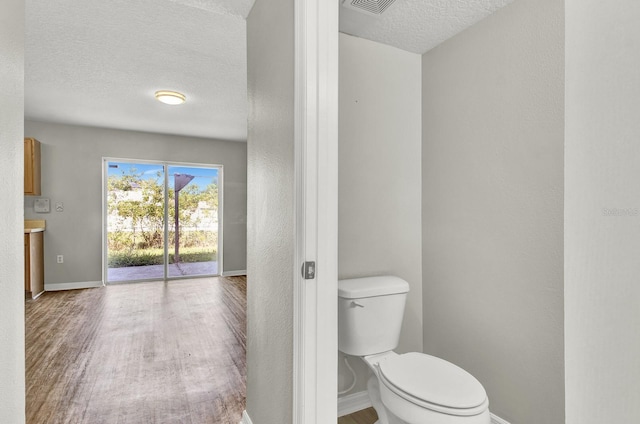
[(135, 221), (193, 221)]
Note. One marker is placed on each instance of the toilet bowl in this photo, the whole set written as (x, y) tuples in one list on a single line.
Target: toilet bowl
[(410, 388), (419, 388)]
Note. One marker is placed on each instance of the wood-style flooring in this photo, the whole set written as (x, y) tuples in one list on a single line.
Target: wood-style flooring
[(366, 416), (160, 352)]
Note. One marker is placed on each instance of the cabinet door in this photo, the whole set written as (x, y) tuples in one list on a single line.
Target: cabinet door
[(36, 265), (32, 167), (27, 264)]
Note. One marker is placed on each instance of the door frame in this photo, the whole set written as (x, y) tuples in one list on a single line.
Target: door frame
[(165, 164), (315, 327)]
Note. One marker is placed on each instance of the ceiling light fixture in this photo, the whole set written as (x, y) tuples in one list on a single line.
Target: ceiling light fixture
[(170, 97)]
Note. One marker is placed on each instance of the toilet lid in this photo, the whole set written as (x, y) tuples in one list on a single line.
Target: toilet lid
[(433, 380)]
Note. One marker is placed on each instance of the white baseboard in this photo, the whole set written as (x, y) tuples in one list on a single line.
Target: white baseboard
[(234, 273), (497, 420), (358, 401), (352, 403), (73, 286), (245, 418)]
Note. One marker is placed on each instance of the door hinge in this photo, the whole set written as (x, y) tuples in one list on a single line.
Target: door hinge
[(309, 270)]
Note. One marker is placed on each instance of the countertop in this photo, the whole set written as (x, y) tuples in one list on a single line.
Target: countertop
[(34, 226)]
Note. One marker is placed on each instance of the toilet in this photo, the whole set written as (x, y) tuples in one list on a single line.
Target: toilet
[(409, 388)]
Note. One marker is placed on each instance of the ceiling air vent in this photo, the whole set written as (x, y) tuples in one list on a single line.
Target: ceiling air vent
[(371, 7)]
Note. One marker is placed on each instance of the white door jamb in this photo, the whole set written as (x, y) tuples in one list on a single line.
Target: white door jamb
[(316, 197)]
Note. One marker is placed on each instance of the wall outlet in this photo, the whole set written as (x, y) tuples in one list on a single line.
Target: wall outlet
[(60, 259)]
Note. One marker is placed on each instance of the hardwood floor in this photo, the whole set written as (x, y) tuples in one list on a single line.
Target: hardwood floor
[(366, 416), (156, 352)]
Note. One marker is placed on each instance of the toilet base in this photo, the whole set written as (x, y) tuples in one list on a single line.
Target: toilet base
[(384, 416)]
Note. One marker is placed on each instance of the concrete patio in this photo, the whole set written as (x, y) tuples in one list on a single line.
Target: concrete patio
[(148, 272)]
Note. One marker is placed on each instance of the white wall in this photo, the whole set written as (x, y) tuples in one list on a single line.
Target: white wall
[(72, 174), (270, 217), (12, 389), (493, 131), (602, 212), (379, 176)]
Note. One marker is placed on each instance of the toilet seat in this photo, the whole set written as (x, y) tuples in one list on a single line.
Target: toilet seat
[(433, 383)]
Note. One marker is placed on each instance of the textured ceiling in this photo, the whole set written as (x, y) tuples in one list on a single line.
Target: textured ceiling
[(99, 62), (418, 25)]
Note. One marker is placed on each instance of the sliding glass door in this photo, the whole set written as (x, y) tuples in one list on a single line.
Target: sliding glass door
[(161, 220), (193, 212)]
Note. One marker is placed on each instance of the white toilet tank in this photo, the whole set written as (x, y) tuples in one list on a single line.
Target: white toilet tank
[(370, 312)]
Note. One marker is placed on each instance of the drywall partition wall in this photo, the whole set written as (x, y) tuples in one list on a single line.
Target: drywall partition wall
[(12, 388), (493, 127), (602, 212), (72, 174), (379, 176), (270, 203)]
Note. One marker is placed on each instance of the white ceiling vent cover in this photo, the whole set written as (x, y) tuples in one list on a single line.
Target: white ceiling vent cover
[(370, 7)]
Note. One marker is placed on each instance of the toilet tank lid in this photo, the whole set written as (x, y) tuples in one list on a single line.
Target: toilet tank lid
[(356, 288)]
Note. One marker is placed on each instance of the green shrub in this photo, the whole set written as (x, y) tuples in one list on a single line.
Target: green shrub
[(155, 257), (126, 240)]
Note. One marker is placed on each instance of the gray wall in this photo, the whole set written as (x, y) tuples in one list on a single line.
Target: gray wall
[(379, 176), (493, 132), (12, 388), (602, 204), (72, 174), (270, 213)]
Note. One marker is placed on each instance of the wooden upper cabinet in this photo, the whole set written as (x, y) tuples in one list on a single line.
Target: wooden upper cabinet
[(32, 167)]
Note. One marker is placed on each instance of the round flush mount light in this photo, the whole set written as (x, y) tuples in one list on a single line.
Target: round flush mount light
[(170, 97)]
